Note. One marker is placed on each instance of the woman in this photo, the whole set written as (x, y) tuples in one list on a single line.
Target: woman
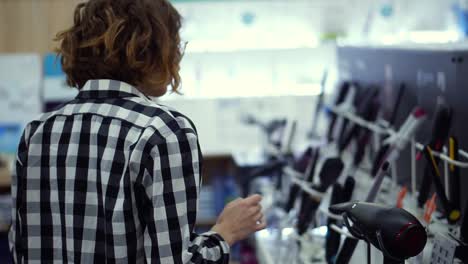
[(112, 177)]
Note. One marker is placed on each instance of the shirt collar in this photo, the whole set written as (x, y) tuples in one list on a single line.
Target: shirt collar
[(109, 89)]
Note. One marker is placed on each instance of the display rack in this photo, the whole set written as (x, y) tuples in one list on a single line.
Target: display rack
[(298, 178), (390, 132), (432, 77)]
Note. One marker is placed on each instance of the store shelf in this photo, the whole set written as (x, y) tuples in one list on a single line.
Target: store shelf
[(5, 179), (216, 48)]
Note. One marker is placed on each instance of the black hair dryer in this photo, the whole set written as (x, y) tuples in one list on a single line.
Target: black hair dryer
[(394, 231)]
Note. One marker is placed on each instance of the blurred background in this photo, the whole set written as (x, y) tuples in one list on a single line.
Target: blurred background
[(246, 62)]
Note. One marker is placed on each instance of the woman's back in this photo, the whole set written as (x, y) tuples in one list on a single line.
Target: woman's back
[(83, 171)]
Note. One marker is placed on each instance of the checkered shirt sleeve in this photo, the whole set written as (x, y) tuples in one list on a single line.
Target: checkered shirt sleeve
[(167, 169), (110, 177)]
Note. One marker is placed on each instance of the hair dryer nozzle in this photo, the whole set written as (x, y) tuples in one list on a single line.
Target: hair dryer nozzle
[(341, 208)]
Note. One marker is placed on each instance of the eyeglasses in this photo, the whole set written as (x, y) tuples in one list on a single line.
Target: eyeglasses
[(183, 47)]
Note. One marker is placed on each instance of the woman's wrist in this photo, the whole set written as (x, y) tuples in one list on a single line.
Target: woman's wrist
[(224, 234)]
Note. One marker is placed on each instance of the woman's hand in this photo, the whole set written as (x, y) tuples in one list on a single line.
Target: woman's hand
[(240, 218)]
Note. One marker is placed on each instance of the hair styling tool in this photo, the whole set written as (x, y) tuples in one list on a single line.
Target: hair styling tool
[(440, 134), (319, 105), (454, 171), (333, 239), (452, 214), (345, 99), (394, 231), (330, 172), (397, 142), (366, 110), (300, 166)]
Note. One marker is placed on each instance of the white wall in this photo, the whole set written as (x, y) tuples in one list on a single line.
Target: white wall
[(219, 120), (255, 72)]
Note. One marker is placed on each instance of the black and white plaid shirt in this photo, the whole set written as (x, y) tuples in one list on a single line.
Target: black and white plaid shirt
[(111, 177)]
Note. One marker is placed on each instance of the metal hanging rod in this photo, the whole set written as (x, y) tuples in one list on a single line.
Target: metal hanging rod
[(387, 131)]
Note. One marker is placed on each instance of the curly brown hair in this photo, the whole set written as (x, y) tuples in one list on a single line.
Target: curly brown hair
[(134, 41)]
